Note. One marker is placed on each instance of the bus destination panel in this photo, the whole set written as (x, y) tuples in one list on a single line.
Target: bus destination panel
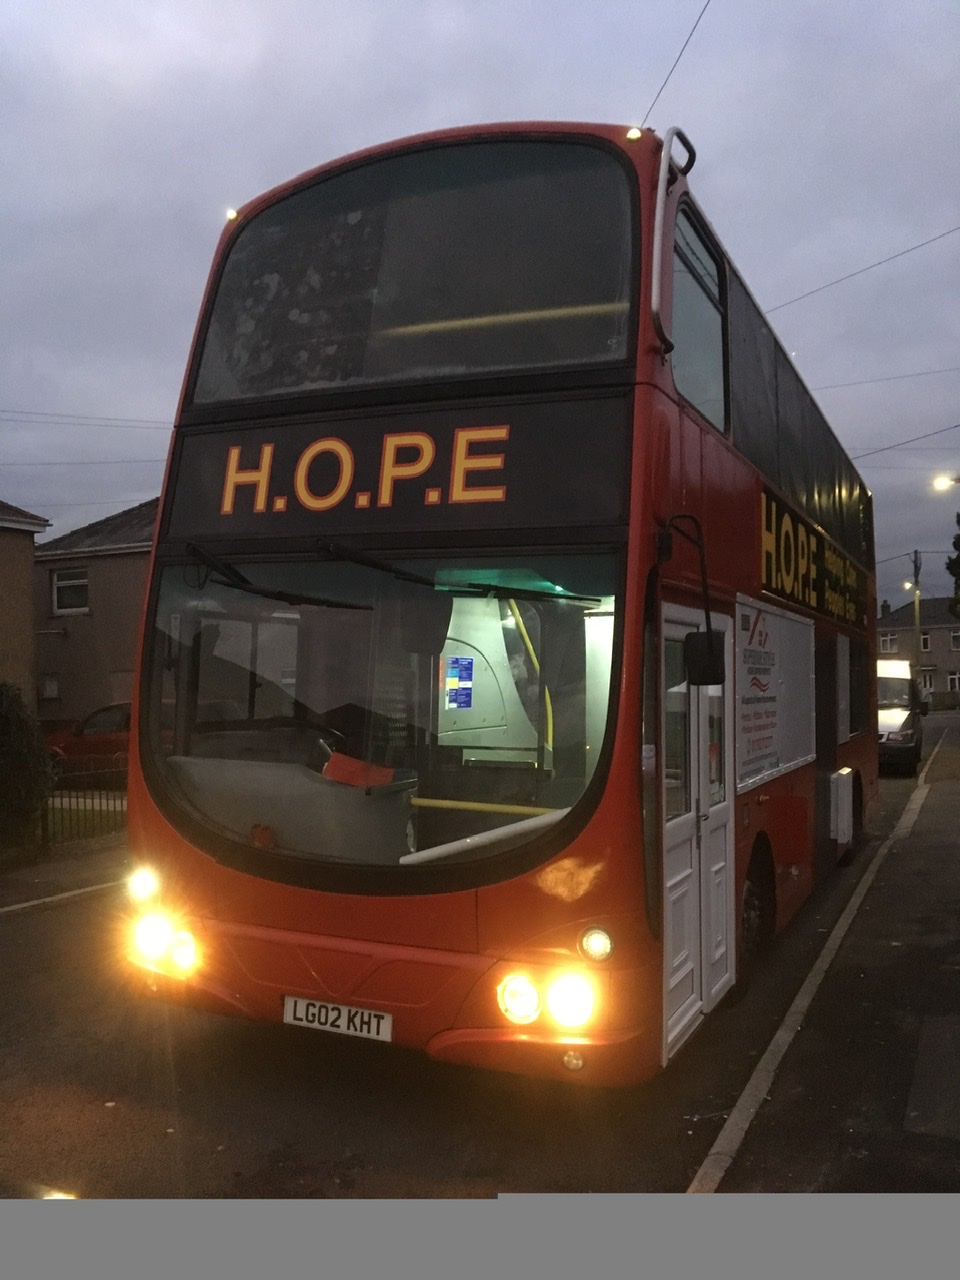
[(542, 464)]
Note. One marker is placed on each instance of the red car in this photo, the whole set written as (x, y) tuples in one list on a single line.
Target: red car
[(102, 739)]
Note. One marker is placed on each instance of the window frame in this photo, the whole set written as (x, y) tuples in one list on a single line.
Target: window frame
[(687, 211), (57, 582)]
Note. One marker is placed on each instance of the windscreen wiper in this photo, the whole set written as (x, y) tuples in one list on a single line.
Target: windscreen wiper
[(337, 551), (233, 578), (499, 592), (340, 552)]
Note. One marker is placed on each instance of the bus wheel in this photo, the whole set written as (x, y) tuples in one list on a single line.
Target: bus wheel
[(757, 916)]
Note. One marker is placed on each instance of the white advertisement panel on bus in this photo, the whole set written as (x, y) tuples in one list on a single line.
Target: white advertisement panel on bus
[(774, 692)]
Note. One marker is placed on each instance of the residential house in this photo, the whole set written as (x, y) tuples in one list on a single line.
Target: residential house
[(933, 647), (88, 589), (18, 529)]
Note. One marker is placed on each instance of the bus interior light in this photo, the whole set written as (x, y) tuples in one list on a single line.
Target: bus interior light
[(519, 999), (570, 999)]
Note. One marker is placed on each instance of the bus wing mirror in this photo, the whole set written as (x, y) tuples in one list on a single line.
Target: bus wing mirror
[(703, 658)]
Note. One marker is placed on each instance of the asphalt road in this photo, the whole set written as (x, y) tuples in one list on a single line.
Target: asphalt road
[(104, 1095)]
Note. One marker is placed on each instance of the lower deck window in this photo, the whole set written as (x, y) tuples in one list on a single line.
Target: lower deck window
[(386, 716)]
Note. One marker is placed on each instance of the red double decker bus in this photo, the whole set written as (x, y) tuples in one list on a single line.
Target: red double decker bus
[(506, 678)]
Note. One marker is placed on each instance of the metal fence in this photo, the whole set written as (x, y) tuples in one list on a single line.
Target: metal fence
[(88, 800)]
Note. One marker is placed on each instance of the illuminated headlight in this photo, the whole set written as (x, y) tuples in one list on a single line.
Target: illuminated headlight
[(142, 884), (519, 999), (596, 944), (152, 936), (183, 950), (159, 942), (570, 1000)]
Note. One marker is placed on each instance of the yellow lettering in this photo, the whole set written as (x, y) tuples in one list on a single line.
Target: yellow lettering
[(391, 469), (259, 476), (788, 561), (305, 495), (464, 462), (768, 543)]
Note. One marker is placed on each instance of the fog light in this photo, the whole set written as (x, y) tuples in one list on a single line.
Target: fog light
[(518, 998), (596, 944), (152, 936), (573, 1060), (570, 1000), (143, 884), (183, 950)]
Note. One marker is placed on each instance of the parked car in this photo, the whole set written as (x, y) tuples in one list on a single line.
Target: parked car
[(102, 739), (900, 711)]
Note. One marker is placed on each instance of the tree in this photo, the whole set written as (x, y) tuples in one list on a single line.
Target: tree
[(25, 774)]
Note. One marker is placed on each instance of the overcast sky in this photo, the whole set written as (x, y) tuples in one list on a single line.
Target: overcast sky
[(827, 135)]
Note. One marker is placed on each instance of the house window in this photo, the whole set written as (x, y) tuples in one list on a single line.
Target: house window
[(925, 641), (69, 590), (890, 642), (926, 679), (49, 688), (953, 681), (955, 639)]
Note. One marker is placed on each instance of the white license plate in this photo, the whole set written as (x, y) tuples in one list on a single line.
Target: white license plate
[(320, 1015)]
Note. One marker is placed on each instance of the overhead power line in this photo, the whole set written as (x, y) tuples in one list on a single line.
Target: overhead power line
[(44, 418), (913, 439), (894, 377), (861, 271), (91, 462), (676, 62)]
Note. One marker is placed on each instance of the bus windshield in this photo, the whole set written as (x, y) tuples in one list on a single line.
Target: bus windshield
[(456, 260), (354, 710)]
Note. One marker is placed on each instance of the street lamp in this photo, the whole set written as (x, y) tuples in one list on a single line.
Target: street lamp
[(942, 483)]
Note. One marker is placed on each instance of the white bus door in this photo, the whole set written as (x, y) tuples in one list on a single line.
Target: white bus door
[(698, 872)]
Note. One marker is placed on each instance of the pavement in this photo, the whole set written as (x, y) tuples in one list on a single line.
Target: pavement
[(866, 1095), (81, 866)]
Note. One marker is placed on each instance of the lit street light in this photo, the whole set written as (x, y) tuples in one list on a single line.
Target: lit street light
[(942, 483)]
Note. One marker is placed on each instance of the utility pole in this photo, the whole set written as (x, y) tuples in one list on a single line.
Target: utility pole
[(916, 610)]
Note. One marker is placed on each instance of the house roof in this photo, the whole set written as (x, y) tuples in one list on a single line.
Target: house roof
[(934, 612), (12, 517), (129, 530)]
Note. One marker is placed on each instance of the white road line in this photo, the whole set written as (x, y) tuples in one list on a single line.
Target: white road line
[(58, 897), (731, 1136)]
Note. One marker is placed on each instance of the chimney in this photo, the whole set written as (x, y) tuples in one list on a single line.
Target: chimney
[(885, 609)]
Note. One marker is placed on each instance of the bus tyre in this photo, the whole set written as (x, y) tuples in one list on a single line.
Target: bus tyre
[(757, 916)]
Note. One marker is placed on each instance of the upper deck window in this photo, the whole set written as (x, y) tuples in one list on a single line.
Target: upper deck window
[(698, 363), (459, 260)]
